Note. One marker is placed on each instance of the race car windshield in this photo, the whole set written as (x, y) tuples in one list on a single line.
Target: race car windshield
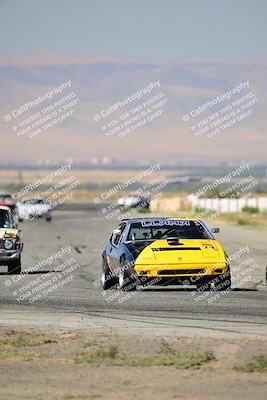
[(154, 230), (4, 219)]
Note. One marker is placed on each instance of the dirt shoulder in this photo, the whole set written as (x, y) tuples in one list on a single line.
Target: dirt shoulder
[(91, 364)]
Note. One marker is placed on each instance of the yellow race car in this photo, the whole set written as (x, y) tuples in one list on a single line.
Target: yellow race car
[(168, 251)]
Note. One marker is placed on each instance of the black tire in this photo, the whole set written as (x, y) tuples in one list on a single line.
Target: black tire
[(224, 282), (109, 281), (48, 219), (14, 267), (127, 281)]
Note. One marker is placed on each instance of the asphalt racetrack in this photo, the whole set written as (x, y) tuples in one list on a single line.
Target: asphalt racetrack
[(49, 296)]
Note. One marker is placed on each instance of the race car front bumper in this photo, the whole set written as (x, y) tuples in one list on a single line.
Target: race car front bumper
[(182, 271), (8, 255)]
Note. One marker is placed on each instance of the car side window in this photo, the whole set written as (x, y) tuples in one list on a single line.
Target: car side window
[(116, 239), (122, 232)]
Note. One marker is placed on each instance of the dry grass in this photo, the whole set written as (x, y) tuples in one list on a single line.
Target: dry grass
[(253, 364), (167, 356)]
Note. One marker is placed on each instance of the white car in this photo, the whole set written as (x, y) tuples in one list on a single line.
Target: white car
[(134, 201), (32, 208)]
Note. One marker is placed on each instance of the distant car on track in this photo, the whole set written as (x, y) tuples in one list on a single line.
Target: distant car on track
[(34, 207), (6, 199), (164, 251), (10, 241), (141, 201)]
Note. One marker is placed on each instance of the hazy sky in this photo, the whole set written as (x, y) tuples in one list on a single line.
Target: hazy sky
[(145, 30), (110, 49)]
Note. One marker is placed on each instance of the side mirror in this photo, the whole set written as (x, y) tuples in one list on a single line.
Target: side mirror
[(215, 230), (116, 232)]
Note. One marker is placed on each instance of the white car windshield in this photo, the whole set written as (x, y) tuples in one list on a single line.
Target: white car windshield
[(34, 202)]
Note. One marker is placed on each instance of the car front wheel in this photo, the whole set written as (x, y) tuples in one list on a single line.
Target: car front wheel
[(224, 282), (127, 281), (108, 280), (14, 267)]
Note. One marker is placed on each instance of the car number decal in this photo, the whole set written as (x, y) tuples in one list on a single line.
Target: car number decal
[(165, 222)]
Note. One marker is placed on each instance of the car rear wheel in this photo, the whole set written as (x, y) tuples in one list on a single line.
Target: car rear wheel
[(14, 267), (108, 280)]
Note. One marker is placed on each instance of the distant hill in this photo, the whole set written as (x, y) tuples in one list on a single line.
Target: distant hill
[(100, 83)]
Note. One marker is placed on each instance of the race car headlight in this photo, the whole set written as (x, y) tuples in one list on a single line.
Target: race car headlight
[(8, 244), (210, 246)]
